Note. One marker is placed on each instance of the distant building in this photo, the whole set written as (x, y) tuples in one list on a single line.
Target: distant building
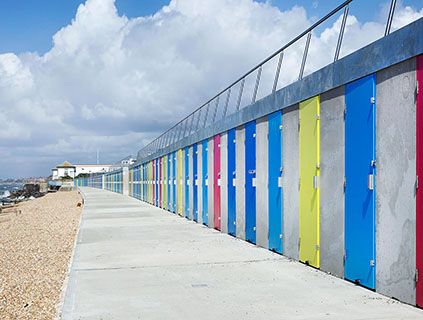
[(67, 170)]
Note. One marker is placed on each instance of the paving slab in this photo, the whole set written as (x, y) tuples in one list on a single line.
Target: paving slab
[(135, 261)]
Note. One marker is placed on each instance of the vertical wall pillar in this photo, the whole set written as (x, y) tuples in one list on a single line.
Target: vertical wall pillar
[(194, 183), (262, 205), (200, 183), (396, 181), (290, 181), (210, 193), (332, 106), (224, 182), (240, 182), (125, 181), (191, 183)]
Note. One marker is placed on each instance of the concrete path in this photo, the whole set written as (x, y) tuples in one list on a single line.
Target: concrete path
[(135, 261)]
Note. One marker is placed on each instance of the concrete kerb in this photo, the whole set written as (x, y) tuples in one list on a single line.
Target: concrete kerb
[(60, 305)]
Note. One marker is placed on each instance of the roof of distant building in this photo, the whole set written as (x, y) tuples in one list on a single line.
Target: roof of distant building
[(65, 164)]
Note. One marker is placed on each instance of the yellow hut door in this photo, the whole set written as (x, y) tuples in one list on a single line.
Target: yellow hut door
[(309, 182)]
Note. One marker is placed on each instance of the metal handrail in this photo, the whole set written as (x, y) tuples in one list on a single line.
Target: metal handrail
[(168, 137)]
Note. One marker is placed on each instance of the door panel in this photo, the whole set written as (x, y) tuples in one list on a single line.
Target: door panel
[(419, 171), (160, 181), (195, 182), (186, 182), (165, 182), (216, 181), (359, 174), (179, 182), (231, 183), (157, 182), (204, 182), (250, 182), (153, 169), (309, 181), (174, 182), (275, 181)]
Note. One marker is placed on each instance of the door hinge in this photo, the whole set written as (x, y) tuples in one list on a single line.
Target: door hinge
[(299, 243), (416, 277), (345, 113), (372, 100), (345, 183), (344, 258), (417, 182)]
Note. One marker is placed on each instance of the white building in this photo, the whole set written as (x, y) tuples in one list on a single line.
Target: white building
[(66, 169)]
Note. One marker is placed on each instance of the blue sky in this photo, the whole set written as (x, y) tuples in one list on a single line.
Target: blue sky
[(29, 25)]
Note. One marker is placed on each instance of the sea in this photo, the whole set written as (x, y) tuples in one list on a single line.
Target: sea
[(7, 188)]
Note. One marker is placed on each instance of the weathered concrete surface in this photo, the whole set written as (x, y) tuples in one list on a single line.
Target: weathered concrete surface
[(191, 183), (210, 186), (290, 182), (224, 182), (396, 181), (200, 182), (240, 181), (135, 261), (262, 197), (125, 181), (332, 146)]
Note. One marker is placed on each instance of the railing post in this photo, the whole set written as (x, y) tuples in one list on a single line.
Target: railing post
[(341, 33), (305, 56), (215, 109), (207, 113), (253, 99), (192, 123), (390, 17), (278, 70), (198, 120), (227, 103), (241, 89)]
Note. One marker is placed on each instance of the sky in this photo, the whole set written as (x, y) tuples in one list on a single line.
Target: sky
[(79, 76)]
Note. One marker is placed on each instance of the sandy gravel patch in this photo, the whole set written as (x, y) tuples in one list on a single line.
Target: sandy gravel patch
[(36, 242)]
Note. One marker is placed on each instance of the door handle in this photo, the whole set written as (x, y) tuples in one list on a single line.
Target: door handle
[(371, 182), (316, 182), (280, 182)]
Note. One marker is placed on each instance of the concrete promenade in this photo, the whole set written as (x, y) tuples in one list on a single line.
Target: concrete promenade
[(135, 261)]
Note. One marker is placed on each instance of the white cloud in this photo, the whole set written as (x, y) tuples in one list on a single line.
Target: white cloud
[(114, 83)]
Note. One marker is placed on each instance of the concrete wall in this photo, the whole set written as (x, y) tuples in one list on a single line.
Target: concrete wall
[(290, 182), (200, 183), (262, 204), (125, 181), (210, 191), (224, 182), (240, 182), (191, 183), (332, 106), (395, 173), (396, 181)]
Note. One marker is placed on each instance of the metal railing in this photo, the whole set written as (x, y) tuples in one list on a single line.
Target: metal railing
[(216, 108)]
